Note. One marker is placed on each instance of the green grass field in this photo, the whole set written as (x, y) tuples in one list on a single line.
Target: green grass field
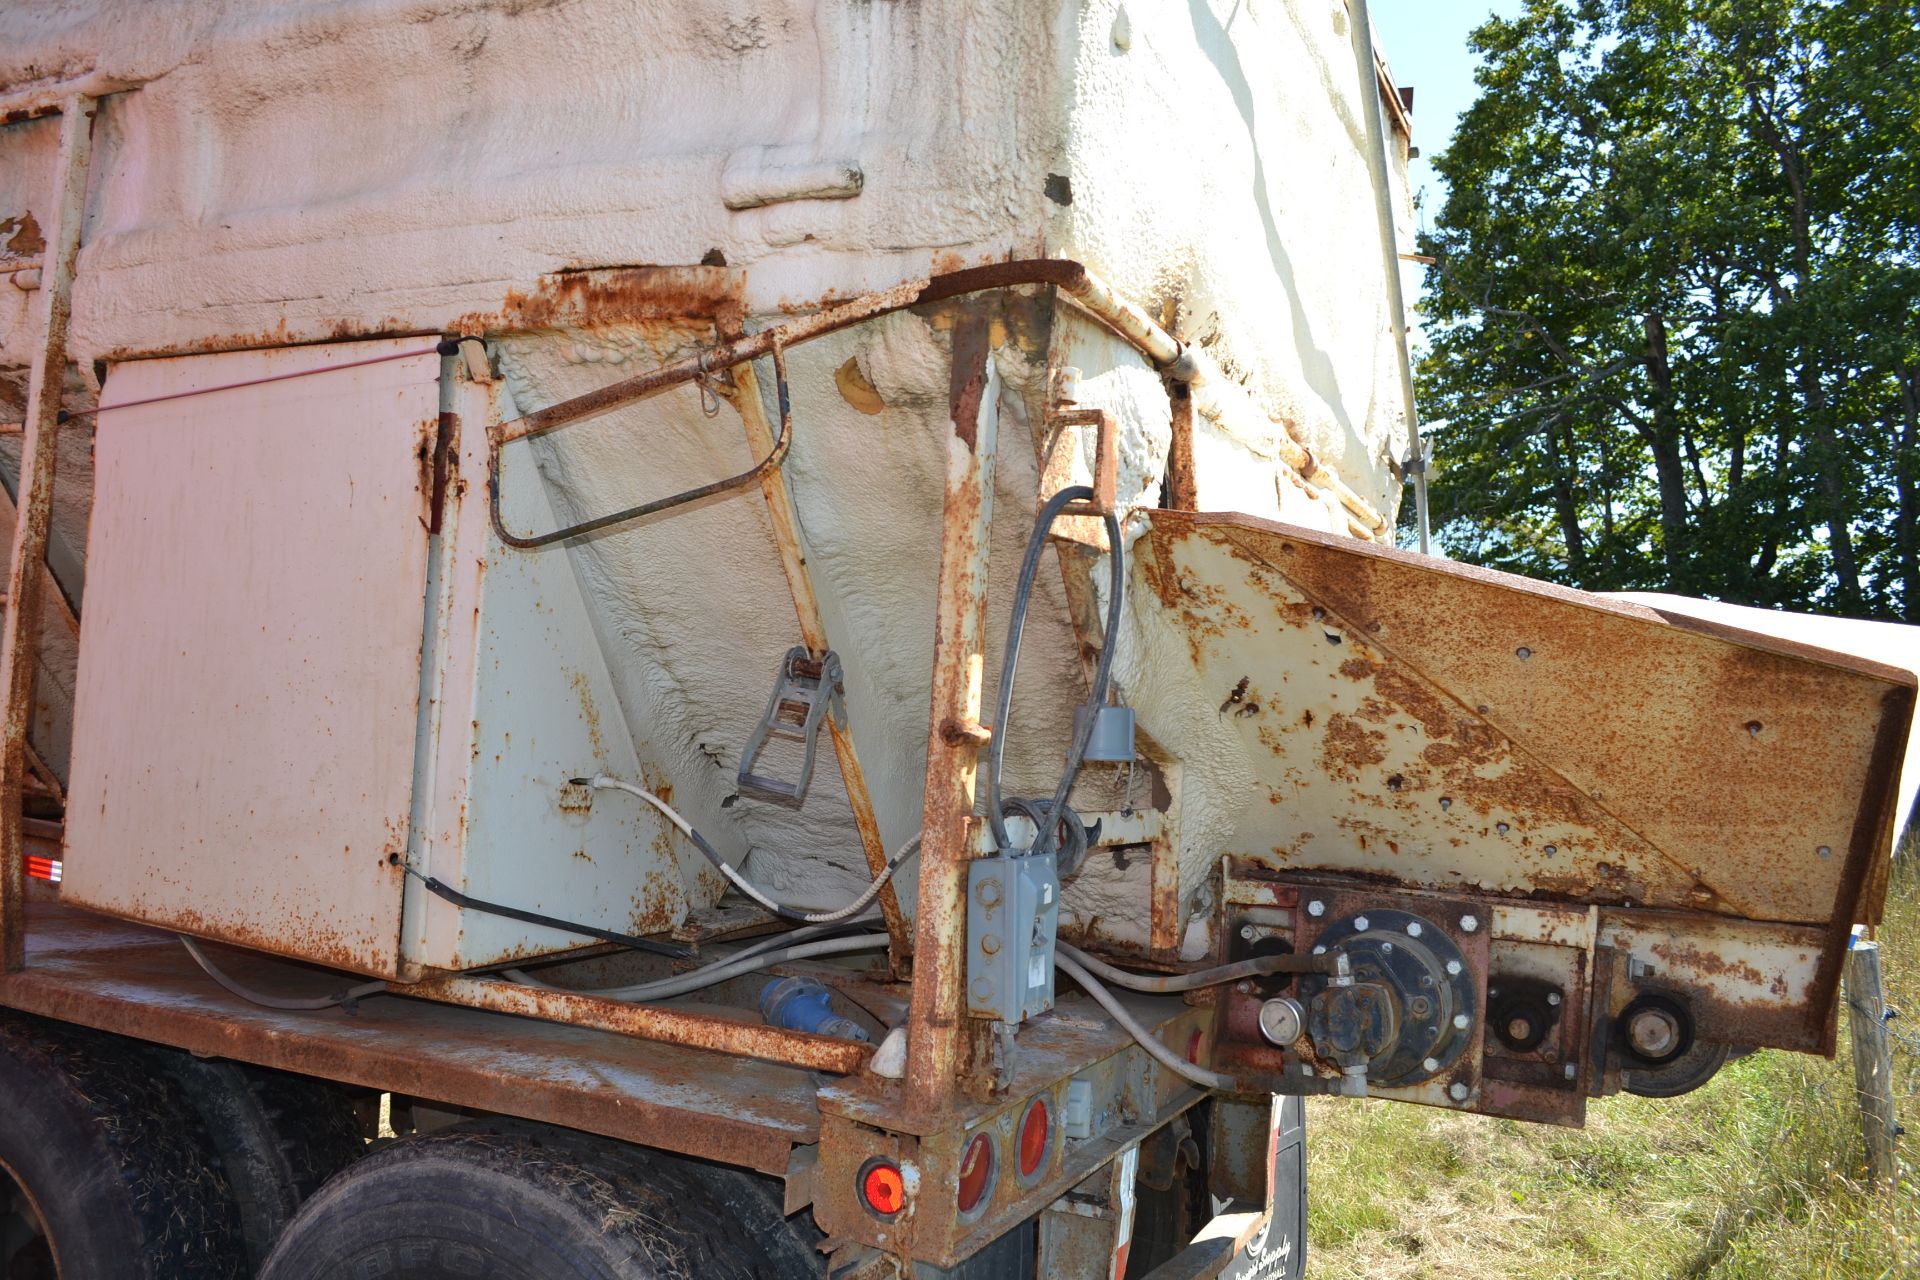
[(1755, 1175)]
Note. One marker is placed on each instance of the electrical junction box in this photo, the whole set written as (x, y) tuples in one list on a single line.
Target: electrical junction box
[(1013, 914)]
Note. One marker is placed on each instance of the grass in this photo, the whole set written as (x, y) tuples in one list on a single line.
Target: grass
[(1755, 1175)]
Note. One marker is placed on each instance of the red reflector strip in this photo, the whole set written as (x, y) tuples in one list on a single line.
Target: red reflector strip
[(44, 869)]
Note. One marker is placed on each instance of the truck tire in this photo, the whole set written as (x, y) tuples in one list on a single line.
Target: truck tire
[(510, 1201), (278, 1138), (110, 1176)]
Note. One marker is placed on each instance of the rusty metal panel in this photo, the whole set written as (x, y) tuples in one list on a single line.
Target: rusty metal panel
[(1450, 727), (135, 981), (250, 653)]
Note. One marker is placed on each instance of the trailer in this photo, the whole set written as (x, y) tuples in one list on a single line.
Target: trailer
[(768, 636)]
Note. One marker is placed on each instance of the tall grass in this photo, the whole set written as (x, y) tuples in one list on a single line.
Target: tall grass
[(1755, 1175)]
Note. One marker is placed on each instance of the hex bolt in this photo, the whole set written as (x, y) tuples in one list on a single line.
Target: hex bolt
[(1570, 1071), (1248, 932), (1320, 950), (1316, 908), (1553, 997), (1824, 851), (1413, 929), (1430, 1065), (1386, 948), (1462, 1021), (1360, 923), (1468, 923), (1458, 1091), (1453, 968)]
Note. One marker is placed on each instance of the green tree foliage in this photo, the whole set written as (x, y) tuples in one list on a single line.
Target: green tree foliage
[(1675, 321)]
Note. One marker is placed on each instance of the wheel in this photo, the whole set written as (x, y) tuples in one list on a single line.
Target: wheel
[(108, 1175), (513, 1201), (278, 1137)]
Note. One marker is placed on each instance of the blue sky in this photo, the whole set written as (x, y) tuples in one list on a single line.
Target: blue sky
[(1426, 45)]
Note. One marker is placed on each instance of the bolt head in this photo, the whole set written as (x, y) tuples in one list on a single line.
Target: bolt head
[(1553, 997), (1458, 1091), (1248, 932), (1453, 968), (1462, 1021), (1569, 1071), (1320, 950), (1468, 923), (1431, 1064), (1413, 929), (1654, 1032), (1386, 948), (1316, 908), (1360, 923)]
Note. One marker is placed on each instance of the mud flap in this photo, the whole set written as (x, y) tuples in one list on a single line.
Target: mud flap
[(1244, 1244)]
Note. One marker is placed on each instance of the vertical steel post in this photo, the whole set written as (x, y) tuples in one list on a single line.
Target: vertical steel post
[(936, 1038), (745, 395), (20, 628)]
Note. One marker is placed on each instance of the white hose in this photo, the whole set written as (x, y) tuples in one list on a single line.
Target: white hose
[(718, 971), (1148, 1041), (602, 782), (1167, 983)]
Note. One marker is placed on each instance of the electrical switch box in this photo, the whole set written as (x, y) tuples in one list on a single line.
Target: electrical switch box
[(1013, 914)]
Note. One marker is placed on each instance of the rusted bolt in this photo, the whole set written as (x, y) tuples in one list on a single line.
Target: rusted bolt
[(1316, 908), (1654, 1032), (1469, 922), (1419, 1006), (990, 944), (1519, 1028), (1458, 1091), (989, 892)]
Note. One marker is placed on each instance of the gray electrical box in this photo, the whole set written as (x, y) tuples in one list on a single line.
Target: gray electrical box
[(1013, 913)]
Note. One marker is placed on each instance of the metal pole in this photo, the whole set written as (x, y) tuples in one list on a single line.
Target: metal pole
[(936, 1036), (1872, 1059), (20, 629), (1362, 30)]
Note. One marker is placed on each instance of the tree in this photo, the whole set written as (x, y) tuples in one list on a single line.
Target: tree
[(1675, 319)]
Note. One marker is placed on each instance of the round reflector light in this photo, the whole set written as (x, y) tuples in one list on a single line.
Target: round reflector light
[(1034, 1132), (884, 1190), (976, 1173)]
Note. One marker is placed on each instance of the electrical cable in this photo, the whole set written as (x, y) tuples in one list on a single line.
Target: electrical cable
[(628, 940), (718, 971), (342, 999), (1049, 817), (1163, 984), (1148, 1041), (602, 782)]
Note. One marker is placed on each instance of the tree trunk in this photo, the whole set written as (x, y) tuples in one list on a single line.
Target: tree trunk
[(1565, 505), (1663, 440), (1906, 524)]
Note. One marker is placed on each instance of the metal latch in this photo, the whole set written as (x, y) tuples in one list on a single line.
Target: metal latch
[(805, 693)]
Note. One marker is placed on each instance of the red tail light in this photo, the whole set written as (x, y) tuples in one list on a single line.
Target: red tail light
[(976, 1173), (1035, 1130), (882, 1187)]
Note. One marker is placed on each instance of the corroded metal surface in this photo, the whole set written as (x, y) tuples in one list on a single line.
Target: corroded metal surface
[(20, 626), (136, 981), (1450, 727)]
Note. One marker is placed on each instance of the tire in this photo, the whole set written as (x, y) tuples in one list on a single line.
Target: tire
[(509, 1201), (111, 1177), (277, 1136)]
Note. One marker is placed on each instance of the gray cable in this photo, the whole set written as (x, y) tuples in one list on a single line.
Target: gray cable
[(1164, 984), (265, 1001), (718, 971), (1148, 1041)]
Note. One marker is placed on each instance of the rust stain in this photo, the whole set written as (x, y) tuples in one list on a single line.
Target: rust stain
[(856, 390), (23, 238), (967, 382)]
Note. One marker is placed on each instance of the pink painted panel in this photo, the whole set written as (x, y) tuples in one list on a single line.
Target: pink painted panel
[(250, 647)]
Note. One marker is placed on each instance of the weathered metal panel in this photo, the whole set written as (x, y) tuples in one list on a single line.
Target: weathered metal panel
[(250, 651), (1450, 727)]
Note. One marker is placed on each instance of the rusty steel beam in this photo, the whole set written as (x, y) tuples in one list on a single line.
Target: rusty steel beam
[(745, 396), (935, 1026), (19, 630), (646, 1022)]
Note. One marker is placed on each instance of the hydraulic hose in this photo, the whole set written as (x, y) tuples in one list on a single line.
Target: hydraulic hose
[(1148, 1041), (1163, 984)]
